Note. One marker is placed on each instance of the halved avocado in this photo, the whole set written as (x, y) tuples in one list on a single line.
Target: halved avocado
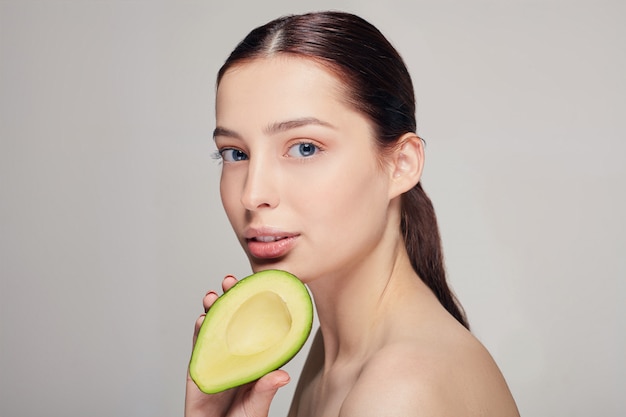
[(254, 328)]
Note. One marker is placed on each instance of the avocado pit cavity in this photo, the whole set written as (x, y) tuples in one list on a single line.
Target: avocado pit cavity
[(258, 324)]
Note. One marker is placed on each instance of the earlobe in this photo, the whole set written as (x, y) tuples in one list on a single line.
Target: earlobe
[(407, 164)]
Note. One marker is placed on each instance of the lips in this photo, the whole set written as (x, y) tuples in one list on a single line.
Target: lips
[(269, 244)]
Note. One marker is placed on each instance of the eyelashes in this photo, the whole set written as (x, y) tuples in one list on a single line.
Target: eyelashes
[(217, 156)]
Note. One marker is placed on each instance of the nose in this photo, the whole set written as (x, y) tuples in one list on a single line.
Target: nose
[(260, 190)]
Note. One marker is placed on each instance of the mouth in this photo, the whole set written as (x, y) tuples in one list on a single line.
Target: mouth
[(270, 245)]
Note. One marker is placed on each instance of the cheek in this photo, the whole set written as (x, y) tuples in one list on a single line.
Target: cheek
[(342, 199)]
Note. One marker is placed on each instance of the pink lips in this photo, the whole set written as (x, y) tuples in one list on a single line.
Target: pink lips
[(269, 244)]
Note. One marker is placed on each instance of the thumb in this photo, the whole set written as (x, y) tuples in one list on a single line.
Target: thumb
[(263, 391)]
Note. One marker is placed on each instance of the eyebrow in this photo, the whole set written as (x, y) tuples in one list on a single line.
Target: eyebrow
[(295, 123), (222, 131), (276, 127)]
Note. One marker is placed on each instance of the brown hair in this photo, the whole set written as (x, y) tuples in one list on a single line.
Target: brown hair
[(379, 85)]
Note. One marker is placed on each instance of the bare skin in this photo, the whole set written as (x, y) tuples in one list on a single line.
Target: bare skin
[(414, 360), (300, 167)]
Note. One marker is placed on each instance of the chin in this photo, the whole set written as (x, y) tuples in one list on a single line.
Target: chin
[(264, 264), (281, 264)]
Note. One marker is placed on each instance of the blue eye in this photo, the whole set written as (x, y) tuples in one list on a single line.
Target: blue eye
[(302, 150), (233, 155)]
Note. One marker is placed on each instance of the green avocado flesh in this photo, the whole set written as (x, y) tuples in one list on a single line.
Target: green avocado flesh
[(255, 327)]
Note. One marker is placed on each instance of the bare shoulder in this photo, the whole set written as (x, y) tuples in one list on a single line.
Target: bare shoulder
[(455, 377)]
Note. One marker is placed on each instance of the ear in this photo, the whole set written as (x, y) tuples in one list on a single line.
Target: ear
[(407, 163)]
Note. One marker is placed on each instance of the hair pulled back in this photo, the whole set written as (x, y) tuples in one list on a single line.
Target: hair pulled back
[(379, 85)]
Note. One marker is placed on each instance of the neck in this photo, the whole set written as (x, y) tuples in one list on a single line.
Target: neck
[(353, 306)]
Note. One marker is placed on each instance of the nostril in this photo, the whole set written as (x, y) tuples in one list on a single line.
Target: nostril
[(259, 200)]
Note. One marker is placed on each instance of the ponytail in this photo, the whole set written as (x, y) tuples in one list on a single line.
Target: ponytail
[(423, 244)]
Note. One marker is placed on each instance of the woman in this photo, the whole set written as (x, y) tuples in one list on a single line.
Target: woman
[(315, 124)]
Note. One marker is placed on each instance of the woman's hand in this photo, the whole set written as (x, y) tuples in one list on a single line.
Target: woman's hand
[(250, 400)]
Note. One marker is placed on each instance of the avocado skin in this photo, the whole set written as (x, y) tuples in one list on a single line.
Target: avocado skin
[(214, 368)]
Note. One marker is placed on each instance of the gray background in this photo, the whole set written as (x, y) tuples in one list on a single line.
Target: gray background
[(111, 227)]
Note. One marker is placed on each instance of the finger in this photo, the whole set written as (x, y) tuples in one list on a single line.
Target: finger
[(228, 282), (208, 300), (262, 393), (197, 326)]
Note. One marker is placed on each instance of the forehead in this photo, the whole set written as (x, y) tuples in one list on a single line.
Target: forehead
[(282, 65), (280, 84)]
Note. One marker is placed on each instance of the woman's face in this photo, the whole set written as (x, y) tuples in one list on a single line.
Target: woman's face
[(301, 181)]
